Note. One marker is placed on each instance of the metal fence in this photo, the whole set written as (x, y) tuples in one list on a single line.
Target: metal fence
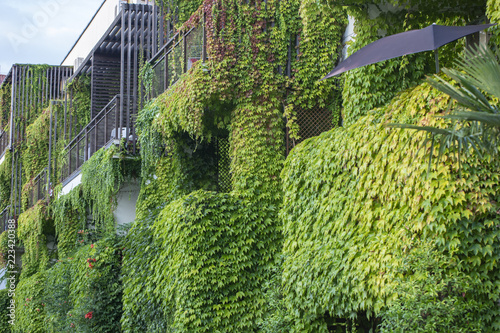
[(104, 128), (4, 143), (4, 218), (178, 56), (38, 188), (312, 122), (223, 164)]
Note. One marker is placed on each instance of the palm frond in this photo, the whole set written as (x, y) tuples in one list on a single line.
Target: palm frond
[(491, 119), (483, 71), (474, 122)]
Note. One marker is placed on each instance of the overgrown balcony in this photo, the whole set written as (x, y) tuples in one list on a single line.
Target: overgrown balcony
[(39, 188), (177, 56), (108, 127)]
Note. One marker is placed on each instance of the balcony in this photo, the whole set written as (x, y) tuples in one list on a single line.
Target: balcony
[(38, 188), (176, 57), (107, 128)]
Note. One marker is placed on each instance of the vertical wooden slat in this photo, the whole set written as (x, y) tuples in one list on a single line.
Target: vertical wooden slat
[(129, 72), (122, 75), (13, 104), (51, 83), (94, 148), (92, 85), (71, 120), (86, 145), (105, 127), (65, 114), (142, 35), (54, 172), (50, 142), (204, 48), (120, 102), (135, 74), (149, 34), (161, 31), (165, 83), (14, 93), (154, 28)]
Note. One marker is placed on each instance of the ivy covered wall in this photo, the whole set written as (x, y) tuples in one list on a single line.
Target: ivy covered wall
[(375, 85), (332, 238), (356, 200)]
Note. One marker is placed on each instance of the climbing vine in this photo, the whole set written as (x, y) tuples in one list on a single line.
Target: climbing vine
[(102, 176), (35, 81), (179, 11), (70, 219), (355, 197), (34, 226), (198, 260), (316, 48), (5, 180), (5, 103), (30, 310), (80, 89), (35, 155)]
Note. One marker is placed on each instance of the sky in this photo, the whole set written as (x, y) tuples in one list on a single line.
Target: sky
[(41, 31)]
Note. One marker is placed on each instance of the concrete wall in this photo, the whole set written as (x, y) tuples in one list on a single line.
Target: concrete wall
[(126, 201)]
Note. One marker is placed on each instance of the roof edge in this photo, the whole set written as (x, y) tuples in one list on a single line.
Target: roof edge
[(80, 37)]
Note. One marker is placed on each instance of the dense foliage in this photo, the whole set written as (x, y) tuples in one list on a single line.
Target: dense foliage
[(356, 196), (35, 155), (5, 327), (210, 265), (430, 298), (5, 102), (80, 293), (351, 237), (30, 310), (5, 180), (34, 228)]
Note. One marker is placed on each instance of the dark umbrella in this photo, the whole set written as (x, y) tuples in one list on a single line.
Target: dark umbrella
[(408, 42)]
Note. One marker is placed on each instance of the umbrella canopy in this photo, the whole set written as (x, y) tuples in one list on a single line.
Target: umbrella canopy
[(408, 42)]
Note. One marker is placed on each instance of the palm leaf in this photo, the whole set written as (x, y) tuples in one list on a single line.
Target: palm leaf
[(475, 122)]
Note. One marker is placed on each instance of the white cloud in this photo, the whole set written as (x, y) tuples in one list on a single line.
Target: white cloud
[(35, 31)]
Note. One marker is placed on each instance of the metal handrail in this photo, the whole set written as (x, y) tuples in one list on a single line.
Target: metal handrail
[(162, 55), (4, 218), (4, 143), (99, 116), (95, 135), (38, 188)]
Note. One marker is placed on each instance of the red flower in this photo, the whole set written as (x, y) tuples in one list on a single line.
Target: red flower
[(89, 315), (91, 246)]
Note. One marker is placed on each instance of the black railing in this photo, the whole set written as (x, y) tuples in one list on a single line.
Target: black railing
[(4, 143), (38, 188), (176, 57), (106, 128), (4, 218)]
